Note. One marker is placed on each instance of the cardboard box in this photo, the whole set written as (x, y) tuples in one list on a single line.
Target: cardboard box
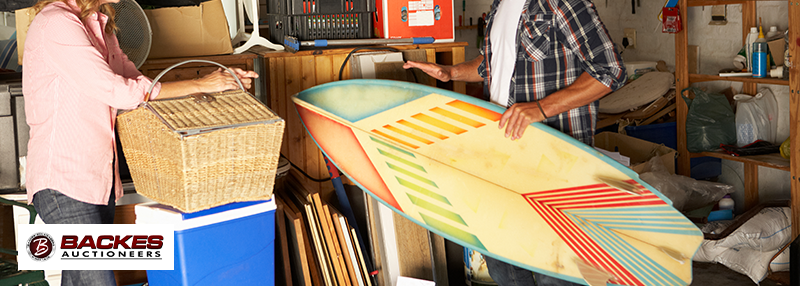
[(189, 31), (408, 19), (640, 151), (177, 31), (776, 49)]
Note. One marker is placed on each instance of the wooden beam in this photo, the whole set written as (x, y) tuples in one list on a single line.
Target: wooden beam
[(681, 82), (794, 110), (750, 186)]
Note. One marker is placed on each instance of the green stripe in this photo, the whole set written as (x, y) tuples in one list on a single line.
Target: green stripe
[(401, 160), (436, 209), (415, 176), (422, 190), (390, 146), (456, 233)]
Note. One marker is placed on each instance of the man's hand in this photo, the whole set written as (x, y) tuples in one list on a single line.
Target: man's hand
[(436, 71), (518, 117)]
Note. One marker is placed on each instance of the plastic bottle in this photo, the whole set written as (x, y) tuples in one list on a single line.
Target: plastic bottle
[(759, 58), (726, 203), (751, 38), (773, 33)]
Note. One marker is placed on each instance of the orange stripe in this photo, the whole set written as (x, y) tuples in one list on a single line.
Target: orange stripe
[(457, 117), (477, 110), (438, 123), (422, 129), (395, 139), (409, 135)]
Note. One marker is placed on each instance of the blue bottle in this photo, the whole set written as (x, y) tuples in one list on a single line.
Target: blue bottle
[(760, 50)]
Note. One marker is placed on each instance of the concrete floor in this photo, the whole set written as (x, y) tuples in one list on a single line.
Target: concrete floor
[(715, 274)]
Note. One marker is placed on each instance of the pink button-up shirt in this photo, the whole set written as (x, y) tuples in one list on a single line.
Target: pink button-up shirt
[(75, 77)]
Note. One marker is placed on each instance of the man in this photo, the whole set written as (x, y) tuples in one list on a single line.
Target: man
[(548, 61)]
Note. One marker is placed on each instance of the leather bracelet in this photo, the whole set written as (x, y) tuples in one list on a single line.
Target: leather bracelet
[(540, 109)]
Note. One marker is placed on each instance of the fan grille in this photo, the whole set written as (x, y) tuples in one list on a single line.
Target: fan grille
[(134, 35)]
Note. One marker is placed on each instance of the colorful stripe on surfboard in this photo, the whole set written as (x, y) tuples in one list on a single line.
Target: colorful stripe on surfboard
[(588, 218)]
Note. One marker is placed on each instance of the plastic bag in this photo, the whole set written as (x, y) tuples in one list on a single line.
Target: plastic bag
[(709, 122), (752, 122), (685, 193), (769, 105)]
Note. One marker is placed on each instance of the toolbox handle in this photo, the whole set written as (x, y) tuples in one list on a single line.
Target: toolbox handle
[(162, 73)]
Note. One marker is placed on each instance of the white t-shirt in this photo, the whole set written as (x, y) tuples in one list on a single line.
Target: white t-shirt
[(504, 49)]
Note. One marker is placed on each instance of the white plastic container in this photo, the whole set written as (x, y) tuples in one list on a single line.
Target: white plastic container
[(751, 38)]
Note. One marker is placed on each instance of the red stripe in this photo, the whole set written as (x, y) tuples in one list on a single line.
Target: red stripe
[(581, 244), (591, 252), (609, 191), (605, 199), (594, 196)]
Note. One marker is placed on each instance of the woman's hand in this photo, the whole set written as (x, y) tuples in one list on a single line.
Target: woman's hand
[(221, 80)]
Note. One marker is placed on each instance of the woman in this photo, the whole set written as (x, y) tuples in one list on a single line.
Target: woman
[(75, 78)]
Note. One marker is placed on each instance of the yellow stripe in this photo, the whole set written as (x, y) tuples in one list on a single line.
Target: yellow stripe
[(409, 135), (457, 117), (422, 129), (477, 110), (395, 139), (438, 123)]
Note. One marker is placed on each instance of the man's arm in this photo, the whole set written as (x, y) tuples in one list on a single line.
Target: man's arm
[(586, 89), (466, 71)]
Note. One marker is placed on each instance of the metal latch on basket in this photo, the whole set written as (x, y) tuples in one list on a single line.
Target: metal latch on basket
[(203, 98)]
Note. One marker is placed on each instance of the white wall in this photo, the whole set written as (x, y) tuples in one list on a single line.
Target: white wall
[(718, 45)]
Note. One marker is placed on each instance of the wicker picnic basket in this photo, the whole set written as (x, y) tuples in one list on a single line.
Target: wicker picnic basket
[(202, 151)]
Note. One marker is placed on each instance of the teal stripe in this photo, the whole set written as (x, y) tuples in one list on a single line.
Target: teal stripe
[(471, 240), (401, 160), (688, 232), (422, 190), (393, 147), (606, 223), (436, 209), (628, 255), (408, 173), (631, 218)]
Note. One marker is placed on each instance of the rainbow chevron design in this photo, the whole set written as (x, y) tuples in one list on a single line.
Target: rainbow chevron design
[(439, 159)]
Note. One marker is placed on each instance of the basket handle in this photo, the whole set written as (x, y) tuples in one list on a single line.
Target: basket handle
[(162, 73)]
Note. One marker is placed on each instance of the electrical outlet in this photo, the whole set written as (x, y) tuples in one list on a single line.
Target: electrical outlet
[(630, 33)]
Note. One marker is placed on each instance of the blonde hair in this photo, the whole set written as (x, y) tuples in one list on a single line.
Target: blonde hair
[(87, 8)]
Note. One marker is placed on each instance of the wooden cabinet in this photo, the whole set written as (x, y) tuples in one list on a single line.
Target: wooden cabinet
[(749, 86), (289, 73), (247, 61)]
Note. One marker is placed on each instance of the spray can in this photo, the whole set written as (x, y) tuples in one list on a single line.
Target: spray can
[(759, 59)]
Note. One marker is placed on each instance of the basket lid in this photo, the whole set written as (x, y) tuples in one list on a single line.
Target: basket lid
[(192, 115)]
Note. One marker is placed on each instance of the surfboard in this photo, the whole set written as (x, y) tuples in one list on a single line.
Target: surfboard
[(546, 202)]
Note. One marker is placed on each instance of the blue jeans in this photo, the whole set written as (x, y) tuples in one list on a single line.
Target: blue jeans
[(509, 275), (56, 208)]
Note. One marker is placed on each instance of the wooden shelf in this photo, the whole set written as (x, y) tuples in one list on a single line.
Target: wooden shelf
[(694, 3), (774, 160), (706, 77)]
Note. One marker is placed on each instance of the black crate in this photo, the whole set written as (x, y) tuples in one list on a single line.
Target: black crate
[(325, 26), (325, 19)]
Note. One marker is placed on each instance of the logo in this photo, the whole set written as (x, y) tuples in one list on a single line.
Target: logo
[(40, 246)]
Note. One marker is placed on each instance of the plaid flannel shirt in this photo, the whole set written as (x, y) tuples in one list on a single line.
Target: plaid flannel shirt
[(558, 40)]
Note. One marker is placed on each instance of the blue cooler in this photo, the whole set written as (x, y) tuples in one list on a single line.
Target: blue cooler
[(227, 245), (667, 134)]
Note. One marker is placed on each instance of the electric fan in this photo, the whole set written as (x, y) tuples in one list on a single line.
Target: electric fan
[(134, 35)]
